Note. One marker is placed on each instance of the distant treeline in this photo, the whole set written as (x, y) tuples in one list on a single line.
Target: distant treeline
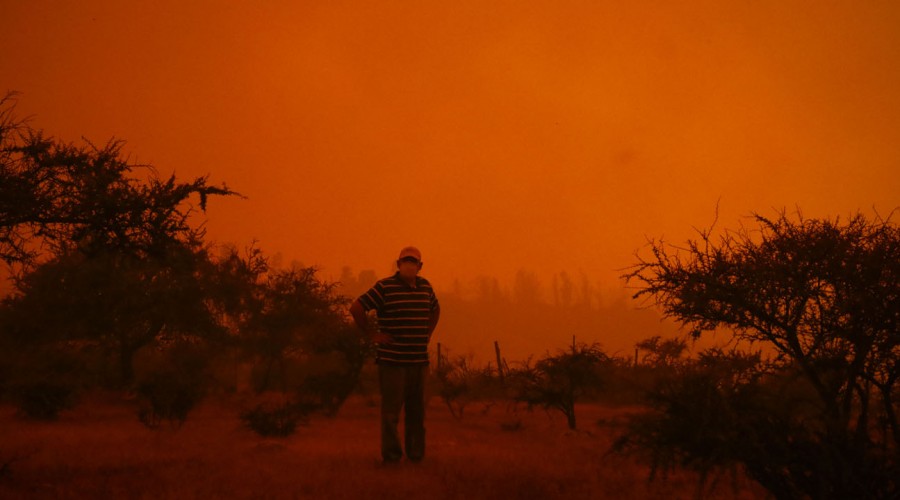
[(528, 319)]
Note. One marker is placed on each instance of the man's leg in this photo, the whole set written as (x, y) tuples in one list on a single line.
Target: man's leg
[(414, 420), (391, 382)]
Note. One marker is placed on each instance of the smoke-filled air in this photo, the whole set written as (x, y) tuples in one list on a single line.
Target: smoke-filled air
[(541, 249)]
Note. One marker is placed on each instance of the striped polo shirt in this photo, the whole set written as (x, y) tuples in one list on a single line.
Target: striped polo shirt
[(404, 313)]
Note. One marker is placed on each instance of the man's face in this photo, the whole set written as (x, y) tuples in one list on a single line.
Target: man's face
[(409, 267)]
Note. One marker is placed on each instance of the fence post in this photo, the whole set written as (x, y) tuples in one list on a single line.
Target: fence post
[(499, 361)]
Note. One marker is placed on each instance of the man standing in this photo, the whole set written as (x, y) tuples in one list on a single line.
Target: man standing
[(408, 312)]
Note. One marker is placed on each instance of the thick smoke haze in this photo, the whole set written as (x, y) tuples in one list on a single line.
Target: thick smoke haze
[(503, 139)]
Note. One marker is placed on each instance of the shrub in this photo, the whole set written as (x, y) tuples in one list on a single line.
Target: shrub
[(44, 400), (276, 419), (174, 387), (167, 396), (822, 296), (558, 382), (45, 381), (458, 382), (328, 391)]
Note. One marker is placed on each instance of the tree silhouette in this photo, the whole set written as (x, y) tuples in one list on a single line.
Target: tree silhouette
[(120, 304), (558, 382), (100, 255), (112, 262), (59, 198), (824, 295), (527, 288)]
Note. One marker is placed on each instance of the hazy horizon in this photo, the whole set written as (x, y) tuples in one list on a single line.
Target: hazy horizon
[(496, 137)]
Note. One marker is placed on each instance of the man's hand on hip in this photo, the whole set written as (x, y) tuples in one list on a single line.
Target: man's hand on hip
[(381, 337)]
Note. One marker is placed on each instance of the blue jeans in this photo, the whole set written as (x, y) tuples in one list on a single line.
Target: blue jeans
[(402, 386)]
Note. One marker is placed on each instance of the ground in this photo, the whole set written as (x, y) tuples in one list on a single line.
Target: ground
[(101, 450)]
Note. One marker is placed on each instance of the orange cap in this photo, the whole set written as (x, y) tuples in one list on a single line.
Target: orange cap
[(410, 252)]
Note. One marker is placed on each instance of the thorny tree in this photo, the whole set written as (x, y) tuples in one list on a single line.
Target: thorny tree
[(56, 198), (99, 254), (824, 295), (558, 382)]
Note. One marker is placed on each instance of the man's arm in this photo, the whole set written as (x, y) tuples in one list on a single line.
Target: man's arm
[(359, 317), (435, 317)]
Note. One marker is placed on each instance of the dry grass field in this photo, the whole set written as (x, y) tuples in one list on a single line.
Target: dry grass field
[(101, 450)]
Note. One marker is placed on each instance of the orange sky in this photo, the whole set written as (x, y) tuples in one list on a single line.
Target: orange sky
[(494, 135)]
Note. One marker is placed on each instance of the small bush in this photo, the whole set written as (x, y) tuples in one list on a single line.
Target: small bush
[(174, 384), (276, 419), (44, 400), (327, 391), (167, 396), (43, 381), (458, 383)]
